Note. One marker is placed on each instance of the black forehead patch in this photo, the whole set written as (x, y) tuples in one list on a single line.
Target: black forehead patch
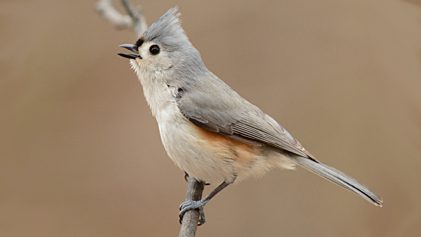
[(139, 42)]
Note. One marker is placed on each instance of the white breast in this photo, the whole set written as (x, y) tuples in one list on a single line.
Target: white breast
[(188, 149)]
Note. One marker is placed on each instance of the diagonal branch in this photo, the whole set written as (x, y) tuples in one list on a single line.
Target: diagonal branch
[(134, 19), (137, 17)]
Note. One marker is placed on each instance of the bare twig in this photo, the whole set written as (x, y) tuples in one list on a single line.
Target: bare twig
[(135, 18), (136, 21), (107, 10), (191, 218)]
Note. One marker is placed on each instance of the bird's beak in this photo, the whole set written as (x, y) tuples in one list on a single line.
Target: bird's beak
[(132, 48)]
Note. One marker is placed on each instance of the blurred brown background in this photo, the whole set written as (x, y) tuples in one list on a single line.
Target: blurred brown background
[(80, 154)]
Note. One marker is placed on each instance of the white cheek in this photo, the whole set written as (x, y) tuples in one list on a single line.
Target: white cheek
[(144, 50), (144, 53), (165, 61), (160, 61)]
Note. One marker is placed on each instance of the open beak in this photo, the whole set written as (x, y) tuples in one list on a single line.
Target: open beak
[(131, 48)]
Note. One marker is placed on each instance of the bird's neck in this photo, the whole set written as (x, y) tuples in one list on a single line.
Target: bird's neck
[(155, 89)]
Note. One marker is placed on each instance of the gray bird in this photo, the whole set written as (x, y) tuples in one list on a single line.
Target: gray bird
[(208, 129)]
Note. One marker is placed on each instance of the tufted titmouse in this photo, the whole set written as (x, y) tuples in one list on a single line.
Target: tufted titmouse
[(207, 129)]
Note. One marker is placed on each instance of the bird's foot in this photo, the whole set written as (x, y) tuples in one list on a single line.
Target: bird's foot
[(192, 205)]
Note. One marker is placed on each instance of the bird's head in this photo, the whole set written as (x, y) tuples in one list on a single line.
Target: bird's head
[(164, 48)]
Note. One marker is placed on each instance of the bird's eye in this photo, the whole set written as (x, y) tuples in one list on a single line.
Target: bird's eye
[(154, 49)]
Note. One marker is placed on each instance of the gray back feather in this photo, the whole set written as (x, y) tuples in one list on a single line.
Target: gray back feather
[(213, 105)]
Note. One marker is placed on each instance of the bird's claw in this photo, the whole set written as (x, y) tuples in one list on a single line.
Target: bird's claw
[(192, 205)]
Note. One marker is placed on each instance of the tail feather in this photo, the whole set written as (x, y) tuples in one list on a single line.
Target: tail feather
[(339, 178)]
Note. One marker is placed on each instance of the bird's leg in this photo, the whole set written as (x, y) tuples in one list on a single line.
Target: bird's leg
[(191, 204), (186, 178)]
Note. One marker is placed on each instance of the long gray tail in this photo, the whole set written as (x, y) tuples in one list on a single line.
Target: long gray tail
[(339, 178)]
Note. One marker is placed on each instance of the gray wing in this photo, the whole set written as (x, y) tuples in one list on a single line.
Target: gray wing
[(217, 108)]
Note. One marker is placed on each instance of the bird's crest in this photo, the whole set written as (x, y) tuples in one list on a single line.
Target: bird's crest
[(167, 30)]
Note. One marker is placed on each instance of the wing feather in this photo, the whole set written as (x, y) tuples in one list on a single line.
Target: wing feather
[(231, 115)]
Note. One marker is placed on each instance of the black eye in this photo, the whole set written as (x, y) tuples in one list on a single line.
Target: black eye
[(154, 49)]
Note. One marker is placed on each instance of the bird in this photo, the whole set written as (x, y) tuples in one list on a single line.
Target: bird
[(208, 130)]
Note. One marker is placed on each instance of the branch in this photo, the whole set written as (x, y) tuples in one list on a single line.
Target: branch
[(136, 21), (137, 17), (191, 218), (134, 18)]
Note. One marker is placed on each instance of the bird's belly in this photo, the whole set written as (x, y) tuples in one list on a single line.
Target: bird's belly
[(190, 151), (208, 156)]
